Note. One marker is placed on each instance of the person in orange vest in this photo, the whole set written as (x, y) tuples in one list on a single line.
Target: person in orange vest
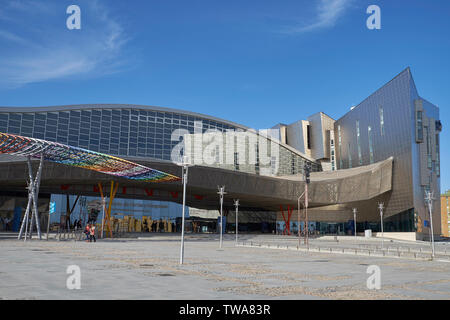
[(87, 232), (92, 233)]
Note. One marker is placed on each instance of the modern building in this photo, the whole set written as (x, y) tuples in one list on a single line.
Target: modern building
[(393, 121), (137, 133), (445, 214), (384, 150)]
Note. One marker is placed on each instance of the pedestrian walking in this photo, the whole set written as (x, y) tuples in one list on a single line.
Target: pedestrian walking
[(92, 233), (87, 232), (6, 221)]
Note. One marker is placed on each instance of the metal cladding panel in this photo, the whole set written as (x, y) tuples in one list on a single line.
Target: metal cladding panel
[(423, 177), (395, 139), (432, 127), (317, 143), (296, 136)]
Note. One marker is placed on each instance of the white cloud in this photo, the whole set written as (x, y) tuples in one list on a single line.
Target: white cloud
[(327, 14), (50, 51)]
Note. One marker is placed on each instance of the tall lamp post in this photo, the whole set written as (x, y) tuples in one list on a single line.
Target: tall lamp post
[(354, 219), (429, 200), (380, 206), (103, 215), (236, 204), (221, 193), (306, 171), (185, 166), (298, 218)]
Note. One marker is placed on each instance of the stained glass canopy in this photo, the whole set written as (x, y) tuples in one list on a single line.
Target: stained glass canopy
[(78, 157)]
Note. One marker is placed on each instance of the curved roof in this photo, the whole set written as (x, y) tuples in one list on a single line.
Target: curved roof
[(117, 106), (79, 157), (143, 107)]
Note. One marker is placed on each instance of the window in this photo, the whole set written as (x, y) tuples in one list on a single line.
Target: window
[(273, 164), (349, 157), (429, 162), (332, 151), (369, 131), (257, 158), (308, 136), (381, 121), (358, 141), (419, 126), (438, 169), (292, 164), (236, 161)]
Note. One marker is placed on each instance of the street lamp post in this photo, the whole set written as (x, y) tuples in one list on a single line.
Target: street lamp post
[(306, 172), (380, 206), (429, 200), (354, 219), (298, 218), (236, 204), (221, 193), (103, 215), (185, 166)]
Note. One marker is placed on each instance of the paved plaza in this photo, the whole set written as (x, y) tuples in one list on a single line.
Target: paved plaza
[(148, 268)]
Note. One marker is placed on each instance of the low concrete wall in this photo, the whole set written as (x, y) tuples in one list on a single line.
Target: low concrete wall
[(408, 236)]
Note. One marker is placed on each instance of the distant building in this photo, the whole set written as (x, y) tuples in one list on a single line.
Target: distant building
[(393, 121), (445, 214)]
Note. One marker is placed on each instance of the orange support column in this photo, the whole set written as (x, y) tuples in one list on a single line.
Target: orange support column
[(107, 209), (111, 198)]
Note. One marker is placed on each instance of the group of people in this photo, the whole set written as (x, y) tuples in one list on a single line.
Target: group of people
[(89, 231)]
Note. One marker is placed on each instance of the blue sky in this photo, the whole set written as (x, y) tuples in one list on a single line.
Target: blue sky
[(254, 62)]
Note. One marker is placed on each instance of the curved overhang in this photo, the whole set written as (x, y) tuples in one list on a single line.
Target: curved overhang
[(254, 191)]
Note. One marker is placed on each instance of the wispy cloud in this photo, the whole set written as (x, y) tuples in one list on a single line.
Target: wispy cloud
[(33, 54), (327, 13)]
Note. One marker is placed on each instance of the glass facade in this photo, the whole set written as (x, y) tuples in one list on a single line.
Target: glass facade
[(129, 132), (349, 157), (358, 141), (121, 132), (369, 132), (381, 121)]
